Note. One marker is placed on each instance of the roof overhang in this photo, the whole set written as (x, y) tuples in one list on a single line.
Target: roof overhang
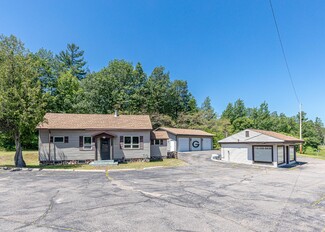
[(102, 135)]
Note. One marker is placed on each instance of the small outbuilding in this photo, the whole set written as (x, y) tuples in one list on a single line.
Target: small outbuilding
[(252, 146), (158, 148), (183, 140)]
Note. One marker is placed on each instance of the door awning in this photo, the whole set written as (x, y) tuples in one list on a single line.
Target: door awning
[(102, 135)]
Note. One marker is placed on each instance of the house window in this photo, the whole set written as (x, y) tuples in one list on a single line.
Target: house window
[(58, 139), (87, 143), (157, 142), (131, 142)]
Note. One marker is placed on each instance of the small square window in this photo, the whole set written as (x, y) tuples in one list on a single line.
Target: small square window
[(59, 139)]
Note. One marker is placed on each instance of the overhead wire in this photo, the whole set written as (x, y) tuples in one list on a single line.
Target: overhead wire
[(283, 53)]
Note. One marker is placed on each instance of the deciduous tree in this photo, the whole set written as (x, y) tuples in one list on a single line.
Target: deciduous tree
[(21, 100)]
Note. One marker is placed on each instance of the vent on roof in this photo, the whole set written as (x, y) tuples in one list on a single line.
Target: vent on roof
[(247, 133), (116, 113)]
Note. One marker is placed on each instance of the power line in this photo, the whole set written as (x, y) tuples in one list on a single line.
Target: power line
[(283, 53)]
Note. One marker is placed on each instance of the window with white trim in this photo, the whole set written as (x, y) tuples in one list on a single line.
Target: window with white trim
[(58, 139), (131, 142), (87, 143)]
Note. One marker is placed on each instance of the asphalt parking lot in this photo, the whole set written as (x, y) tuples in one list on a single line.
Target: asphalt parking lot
[(203, 196)]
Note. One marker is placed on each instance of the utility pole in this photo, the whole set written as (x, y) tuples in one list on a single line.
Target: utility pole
[(300, 128)]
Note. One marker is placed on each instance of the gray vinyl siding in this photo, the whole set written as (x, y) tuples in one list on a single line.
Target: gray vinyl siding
[(72, 151), (159, 150), (131, 153)]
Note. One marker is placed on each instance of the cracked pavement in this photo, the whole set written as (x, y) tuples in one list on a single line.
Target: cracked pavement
[(203, 196)]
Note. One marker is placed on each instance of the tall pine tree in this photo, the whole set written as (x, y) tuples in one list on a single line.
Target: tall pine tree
[(72, 59)]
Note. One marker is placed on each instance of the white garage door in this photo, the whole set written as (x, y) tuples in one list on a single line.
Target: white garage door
[(195, 144), (183, 144), (207, 143)]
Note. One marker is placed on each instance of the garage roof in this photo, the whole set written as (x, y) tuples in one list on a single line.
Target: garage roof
[(95, 121), (187, 132), (259, 136)]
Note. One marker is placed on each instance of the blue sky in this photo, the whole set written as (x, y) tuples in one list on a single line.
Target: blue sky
[(224, 49)]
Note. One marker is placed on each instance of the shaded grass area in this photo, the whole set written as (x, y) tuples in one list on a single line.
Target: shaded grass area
[(31, 159), (7, 158), (320, 154)]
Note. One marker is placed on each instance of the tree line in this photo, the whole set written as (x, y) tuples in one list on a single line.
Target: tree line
[(34, 83)]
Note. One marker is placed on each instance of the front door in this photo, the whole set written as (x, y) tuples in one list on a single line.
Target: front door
[(105, 149)]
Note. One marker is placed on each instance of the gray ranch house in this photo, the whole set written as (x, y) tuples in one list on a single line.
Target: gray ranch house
[(253, 146), (88, 137)]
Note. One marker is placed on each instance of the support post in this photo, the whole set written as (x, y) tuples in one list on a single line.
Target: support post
[(300, 128), (49, 146)]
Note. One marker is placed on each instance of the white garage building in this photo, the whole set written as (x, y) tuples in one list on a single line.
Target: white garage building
[(183, 140), (258, 146)]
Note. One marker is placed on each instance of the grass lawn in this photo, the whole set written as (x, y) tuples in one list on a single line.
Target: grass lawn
[(314, 154), (31, 159)]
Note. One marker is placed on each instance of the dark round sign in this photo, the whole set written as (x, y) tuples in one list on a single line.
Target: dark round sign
[(195, 144)]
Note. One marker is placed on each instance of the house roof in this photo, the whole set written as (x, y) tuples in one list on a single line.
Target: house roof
[(188, 132), (260, 136), (159, 135), (95, 121)]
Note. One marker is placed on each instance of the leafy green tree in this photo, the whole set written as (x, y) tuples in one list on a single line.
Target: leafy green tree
[(319, 126), (262, 118), (239, 109), (234, 111), (157, 94), (161, 120), (72, 59), (49, 70), (66, 94), (21, 100), (137, 98), (242, 123), (117, 86), (207, 109), (180, 99), (228, 113)]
